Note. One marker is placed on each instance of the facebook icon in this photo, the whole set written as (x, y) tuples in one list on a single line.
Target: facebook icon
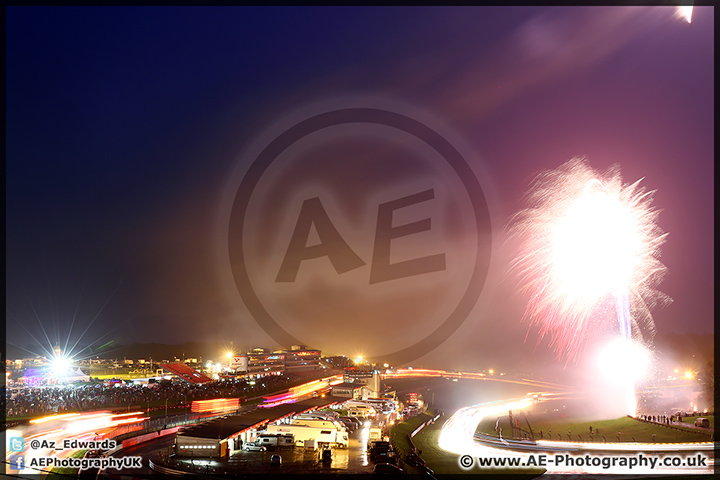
[(17, 462)]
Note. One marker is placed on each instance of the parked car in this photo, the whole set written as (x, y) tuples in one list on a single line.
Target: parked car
[(387, 468), (327, 456), (382, 457), (414, 460), (254, 447), (379, 448), (349, 424), (276, 460), (357, 422)]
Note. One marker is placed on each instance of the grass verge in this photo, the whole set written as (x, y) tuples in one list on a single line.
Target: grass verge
[(623, 429), (445, 464)]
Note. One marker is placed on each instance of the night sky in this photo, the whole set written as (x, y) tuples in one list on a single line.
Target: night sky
[(127, 127)]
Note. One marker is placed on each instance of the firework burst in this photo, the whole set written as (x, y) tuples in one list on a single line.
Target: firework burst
[(588, 244)]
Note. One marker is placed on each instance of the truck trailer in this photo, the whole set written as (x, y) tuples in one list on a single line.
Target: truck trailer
[(314, 422), (322, 435), (272, 440)]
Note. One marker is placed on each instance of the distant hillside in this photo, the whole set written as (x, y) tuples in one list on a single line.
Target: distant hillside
[(667, 345)]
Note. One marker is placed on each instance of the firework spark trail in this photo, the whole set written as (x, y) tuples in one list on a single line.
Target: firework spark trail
[(622, 307), (588, 241)]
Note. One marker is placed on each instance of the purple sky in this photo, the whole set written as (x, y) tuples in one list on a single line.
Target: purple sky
[(127, 126)]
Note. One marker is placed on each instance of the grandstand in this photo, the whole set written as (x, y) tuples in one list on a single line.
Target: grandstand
[(186, 373)]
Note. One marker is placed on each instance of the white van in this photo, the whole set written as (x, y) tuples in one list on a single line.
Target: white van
[(702, 422)]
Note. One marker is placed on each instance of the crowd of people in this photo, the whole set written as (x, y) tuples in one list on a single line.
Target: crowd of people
[(665, 419), (670, 419), (36, 401)]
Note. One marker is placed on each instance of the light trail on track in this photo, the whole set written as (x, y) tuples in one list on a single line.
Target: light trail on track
[(459, 436)]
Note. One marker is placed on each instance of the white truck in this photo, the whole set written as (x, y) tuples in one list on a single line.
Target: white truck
[(361, 412), (315, 422), (359, 409), (318, 416), (374, 435), (384, 405), (322, 435)]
